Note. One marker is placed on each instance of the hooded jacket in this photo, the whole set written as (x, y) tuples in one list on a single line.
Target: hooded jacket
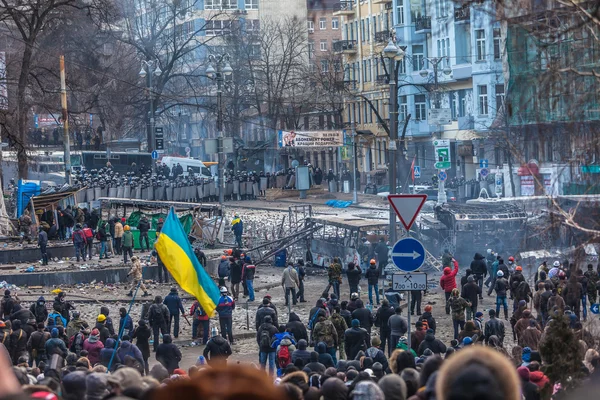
[(109, 322), (426, 316), (39, 310), (431, 343), (539, 379), (471, 292), (168, 354), (494, 327), (325, 332), (364, 315), (103, 330), (236, 272), (217, 349), (378, 356), (74, 326), (144, 225), (107, 353), (324, 357), (54, 345), (93, 346), (353, 276), (129, 349), (448, 279), (372, 274), (224, 269), (382, 317), (143, 333), (173, 303), (478, 265), (22, 314), (356, 339), (264, 310), (295, 327), (301, 352), (266, 328)]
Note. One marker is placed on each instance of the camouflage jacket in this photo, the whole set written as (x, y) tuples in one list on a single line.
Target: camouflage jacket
[(335, 273), (340, 324), (324, 331), (592, 281), (458, 306)]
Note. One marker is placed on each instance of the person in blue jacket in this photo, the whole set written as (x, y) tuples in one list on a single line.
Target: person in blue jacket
[(173, 303), (125, 322), (237, 226), (225, 309)]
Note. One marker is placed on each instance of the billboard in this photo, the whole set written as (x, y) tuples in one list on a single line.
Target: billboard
[(310, 139)]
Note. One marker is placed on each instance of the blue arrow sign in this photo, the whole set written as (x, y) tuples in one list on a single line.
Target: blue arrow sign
[(155, 155), (408, 254), (595, 308), (483, 163), (417, 171)]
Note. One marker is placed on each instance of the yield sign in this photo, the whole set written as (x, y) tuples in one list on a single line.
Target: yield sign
[(407, 207)]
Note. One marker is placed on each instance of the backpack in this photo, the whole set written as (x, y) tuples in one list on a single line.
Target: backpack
[(284, 356), (154, 315), (58, 319), (265, 339)]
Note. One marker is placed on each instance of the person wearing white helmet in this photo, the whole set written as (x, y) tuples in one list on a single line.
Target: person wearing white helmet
[(554, 270), (225, 308), (501, 287)]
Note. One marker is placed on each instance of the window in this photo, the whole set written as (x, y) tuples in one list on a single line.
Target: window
[(311, 26), (229, 4), (403, 109), (211, 4), (441, 9), (367, 29), (367, 111), (499, 89), (400, 12), (337, 66), (224, 4), (362, 30), (311, 48), (335, 23), (379, 156), (483, 99), (384, 152), (324, 66), (251, 4), (252, 26), (549, 149), (322, 24), (497, 39), (218, 27), (369, 70), (402, 66), (417, 57), (420, 108), (323, 45), (480, 44)]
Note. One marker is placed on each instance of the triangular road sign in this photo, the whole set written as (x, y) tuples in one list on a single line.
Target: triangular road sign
[(407, 207)]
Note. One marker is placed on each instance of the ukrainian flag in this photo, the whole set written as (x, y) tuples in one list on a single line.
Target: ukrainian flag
[(178, 257)]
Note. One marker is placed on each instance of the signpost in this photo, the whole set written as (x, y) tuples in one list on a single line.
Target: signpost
[(442, 153), (483, 163), (484, 172), (407, 207), (439, 116), (498, 184), (408, 282), (417, 171), (155, 155)]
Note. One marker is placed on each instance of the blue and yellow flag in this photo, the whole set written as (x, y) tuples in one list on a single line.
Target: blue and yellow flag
[(178, 257)]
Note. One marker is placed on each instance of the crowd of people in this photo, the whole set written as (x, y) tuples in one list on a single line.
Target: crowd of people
[(360, 347)]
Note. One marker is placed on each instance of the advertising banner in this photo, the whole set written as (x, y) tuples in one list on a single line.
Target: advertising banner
[(310, 139)]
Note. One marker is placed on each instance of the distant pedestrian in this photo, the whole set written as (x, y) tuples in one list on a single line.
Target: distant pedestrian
[(43, 243), (144, 227), (200, 317), (125, 322), (237, 227), (173, 303), (372, 274), (118, 236), (102, 236), (127, 243), (25, 223), (248, 272), (79, 242), (89, 240), (217, 350), (301, 276), (168, 354), (353, 274), (158, 317), (135, 274), (334, 273), (289, 282), (225, 309)]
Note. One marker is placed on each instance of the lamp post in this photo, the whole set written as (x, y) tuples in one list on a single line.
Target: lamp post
[(150, 69), (393, 53), (435, 61), (218, 74)]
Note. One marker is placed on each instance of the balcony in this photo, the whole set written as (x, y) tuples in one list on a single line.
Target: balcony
[(423, 24), (462, 14), (344, 8), (382, 1), (382, 37), (345, 46)]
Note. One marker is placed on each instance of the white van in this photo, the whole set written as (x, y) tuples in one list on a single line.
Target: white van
[(189, 165)]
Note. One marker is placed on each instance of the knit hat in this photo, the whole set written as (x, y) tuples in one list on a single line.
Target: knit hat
[(526, 354), (355, 323), (428, 308), (523, 373), (467, 341), (376, 342), (478, 314)]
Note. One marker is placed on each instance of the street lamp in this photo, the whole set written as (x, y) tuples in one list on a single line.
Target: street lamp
[(150, 69), (218, 72), (435, 61), (393, 53)]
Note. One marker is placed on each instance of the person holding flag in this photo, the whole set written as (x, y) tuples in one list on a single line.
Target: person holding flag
[(177, 255)]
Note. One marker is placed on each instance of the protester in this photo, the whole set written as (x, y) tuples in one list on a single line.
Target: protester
[(225, 309), (174, 305), (158, 318)]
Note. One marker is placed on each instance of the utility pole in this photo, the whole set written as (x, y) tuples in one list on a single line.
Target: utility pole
[(151, 69), (63, 103), (355, 163)]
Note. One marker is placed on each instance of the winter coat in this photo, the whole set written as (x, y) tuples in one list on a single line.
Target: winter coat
[(530, 337), (126, 325), (266, 311), (382, 252), (494, 327), (478, 265), (237, 227), (136, 270), (42, 238), (168, 354), (39, 310), (448, 279), (127, 239), (382, 317), (416, 337), (324, 357), (74, 326), (500, 286), (18, 343), (248, 272), (364, 316), (198, 313), (524, 322), (372, 275), (266, 329), (355, 339), (224, 269), (431, 343), (37, 341), (514, 280), (158, 315), (106, 354), (471, 292), (101, 234), (289, 278), (225, 307), (301, 353), (118, 230), (353, 276), (294, 326), (426, 316), (104, 332), (236, 272), (143, 225), (217, 349), (21, 314), (334, 273), (128, 349), (458, 305), (325, 332), (7, 305), (93, 346), (173, 303), (377, 356), (78, 237), (539, 379), (340, 325), (54, 345), (143, 334), (397, 325)]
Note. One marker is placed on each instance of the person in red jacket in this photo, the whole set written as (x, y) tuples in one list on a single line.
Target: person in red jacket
[(200, 317), (448, 282)]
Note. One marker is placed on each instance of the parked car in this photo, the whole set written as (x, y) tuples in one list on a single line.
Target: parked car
[(432, 194)]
